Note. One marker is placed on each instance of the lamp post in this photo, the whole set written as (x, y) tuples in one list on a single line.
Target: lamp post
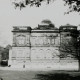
[(24, 64)]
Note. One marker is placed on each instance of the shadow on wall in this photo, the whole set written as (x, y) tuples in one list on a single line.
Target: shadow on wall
[(57, 76)]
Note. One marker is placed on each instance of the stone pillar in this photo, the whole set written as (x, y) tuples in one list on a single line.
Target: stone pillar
[(10, 56)]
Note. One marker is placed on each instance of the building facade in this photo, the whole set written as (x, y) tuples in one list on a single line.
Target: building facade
[(39, 46)]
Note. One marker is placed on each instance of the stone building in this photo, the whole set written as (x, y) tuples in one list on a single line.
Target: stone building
[(38, 47)]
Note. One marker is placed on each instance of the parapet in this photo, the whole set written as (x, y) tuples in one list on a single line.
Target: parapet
[(21, 29), (67, 28)]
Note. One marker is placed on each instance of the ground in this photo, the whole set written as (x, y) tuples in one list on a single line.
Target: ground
[(39, 75), (18, 75)]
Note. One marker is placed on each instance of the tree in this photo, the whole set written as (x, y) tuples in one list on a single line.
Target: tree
[(23, 3), (78, 50), (74, 5), (69, 43), (68, 47), (5, 52)]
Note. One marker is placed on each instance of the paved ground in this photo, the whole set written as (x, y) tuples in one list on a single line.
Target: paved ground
[(19, 75), (38, 75)]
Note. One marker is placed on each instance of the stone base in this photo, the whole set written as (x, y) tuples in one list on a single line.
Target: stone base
[(53, 65)]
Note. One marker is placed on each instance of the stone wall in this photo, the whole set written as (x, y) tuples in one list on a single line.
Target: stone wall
[(44, 53), (21, 39), (19, 55)]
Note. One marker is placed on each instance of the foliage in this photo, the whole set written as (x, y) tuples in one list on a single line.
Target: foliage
[(78, 48), (5, 52), (69, 46), (23, 3), (74, 5)]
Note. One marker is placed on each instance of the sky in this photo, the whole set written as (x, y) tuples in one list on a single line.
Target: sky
[(32, 16)]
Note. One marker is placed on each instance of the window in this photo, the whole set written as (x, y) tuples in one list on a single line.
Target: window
[(44, 40), (48, 41), (21, 40), (48, 54), (53, 41), (37, 41), (41, 41)]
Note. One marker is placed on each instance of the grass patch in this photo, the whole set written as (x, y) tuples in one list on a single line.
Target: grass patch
[(57, 76)]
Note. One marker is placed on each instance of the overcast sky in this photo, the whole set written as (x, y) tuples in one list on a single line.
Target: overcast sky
[(32, 16)]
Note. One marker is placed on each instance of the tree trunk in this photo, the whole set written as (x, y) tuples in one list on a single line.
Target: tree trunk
[(79, 64)]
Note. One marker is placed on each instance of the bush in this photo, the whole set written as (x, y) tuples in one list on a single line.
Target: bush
[(4, 63)]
